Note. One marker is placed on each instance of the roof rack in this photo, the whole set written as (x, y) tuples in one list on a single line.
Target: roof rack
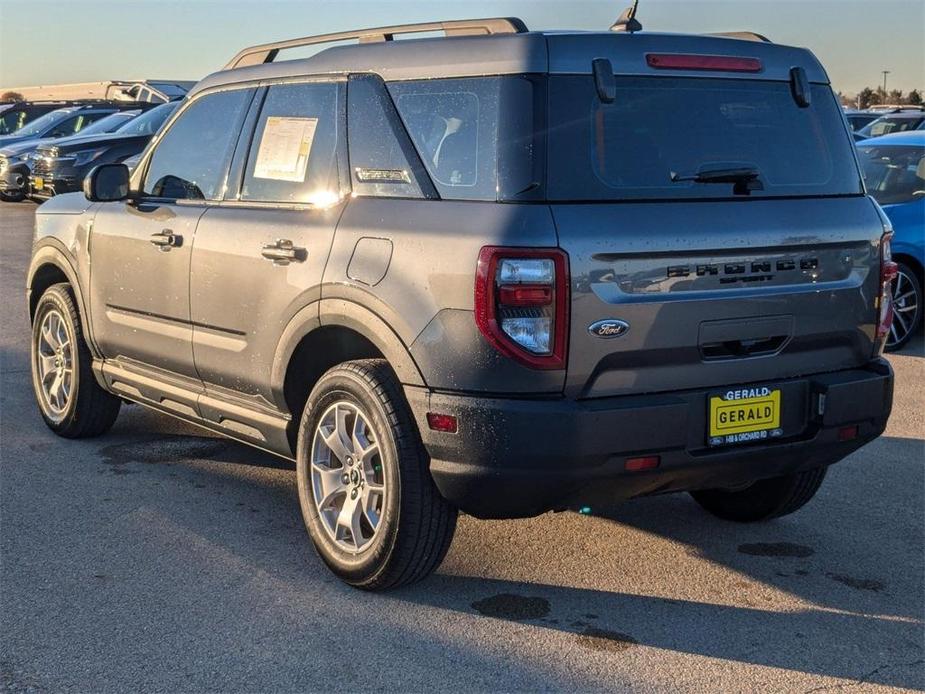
[(267, 52), (743, 35)]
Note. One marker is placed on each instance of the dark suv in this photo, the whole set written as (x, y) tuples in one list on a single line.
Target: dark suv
[(503, 271), (17, 148), (59, 166)]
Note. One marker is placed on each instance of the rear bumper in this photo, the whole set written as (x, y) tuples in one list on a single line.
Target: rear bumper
[(517, 458)]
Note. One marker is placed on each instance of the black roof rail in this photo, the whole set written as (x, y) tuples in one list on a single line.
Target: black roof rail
[(267, 52), (743, 35)]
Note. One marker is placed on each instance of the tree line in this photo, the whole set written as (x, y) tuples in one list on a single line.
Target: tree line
[(868, 97)]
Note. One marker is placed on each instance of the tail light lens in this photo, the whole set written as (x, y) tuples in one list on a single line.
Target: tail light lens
[(521, 304), (888, 272)]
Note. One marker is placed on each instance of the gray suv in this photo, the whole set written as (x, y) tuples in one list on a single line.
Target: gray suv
[(503, 272)]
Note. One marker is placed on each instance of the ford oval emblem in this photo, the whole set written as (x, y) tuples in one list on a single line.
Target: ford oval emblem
[(608, 328)]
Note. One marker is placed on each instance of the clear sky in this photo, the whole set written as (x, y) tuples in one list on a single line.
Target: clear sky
[(55, 41)]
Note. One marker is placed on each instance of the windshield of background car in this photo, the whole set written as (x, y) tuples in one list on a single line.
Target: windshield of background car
[(150, 122), (893, 174), (659, 126), (109, 124), (892, 124), (42, 123)]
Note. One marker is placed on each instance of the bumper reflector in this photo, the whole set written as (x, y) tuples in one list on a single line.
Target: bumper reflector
[(848, 433), (646, 462), (442, 422)]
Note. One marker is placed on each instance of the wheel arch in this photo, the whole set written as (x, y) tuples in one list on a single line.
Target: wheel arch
[(50, 265), (325, 334)]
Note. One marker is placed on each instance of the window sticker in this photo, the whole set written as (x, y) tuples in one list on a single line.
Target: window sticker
[(285, 146)]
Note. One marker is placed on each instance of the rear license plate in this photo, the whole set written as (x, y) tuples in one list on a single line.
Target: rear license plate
[(741, 415), (38, 182)]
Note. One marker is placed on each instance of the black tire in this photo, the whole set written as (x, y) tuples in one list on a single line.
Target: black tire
[(764, 499), (89, 410), (416, 524), (12, 197), (907, 281)]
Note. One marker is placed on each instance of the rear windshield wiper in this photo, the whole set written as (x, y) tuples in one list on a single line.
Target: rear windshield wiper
[(743, 178)]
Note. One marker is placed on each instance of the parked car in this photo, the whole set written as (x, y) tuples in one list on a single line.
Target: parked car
[(858, 119), (503, 272), (892, 123), (59, 166), (16, 159), (894, 172), (15, 115)]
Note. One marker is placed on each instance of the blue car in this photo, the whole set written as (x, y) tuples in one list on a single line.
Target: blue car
[(894, 170)]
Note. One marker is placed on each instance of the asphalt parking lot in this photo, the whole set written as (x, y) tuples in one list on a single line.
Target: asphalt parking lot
[(159, 558)]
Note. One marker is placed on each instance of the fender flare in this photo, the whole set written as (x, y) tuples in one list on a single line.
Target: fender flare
[(346, 314), (52, 252)]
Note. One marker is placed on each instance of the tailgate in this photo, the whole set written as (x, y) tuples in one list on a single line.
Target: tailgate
[(717, 293)]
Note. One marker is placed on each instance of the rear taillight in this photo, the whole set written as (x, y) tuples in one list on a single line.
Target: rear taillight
[(888, 272), (521, 303)]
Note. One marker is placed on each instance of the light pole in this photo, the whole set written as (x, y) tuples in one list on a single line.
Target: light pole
[(885, 73)]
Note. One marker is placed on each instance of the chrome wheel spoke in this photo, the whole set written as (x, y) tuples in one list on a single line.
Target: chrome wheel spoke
[(331, 482), (336, 438), (371, 505), (902, 322), (349, 520)]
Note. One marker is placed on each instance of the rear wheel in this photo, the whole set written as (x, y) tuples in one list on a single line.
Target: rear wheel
[(368, 500), (72, 403), (907, 308), (764, 499)]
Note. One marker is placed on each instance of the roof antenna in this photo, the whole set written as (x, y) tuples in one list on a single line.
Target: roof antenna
[(627, 21)]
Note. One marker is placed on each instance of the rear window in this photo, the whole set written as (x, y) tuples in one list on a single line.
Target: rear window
[(660, 126)]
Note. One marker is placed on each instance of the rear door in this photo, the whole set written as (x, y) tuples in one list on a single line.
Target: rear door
[(259, 256), (139, 279), (716, 282)]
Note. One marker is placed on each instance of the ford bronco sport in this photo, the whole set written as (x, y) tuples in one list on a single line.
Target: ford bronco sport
[(500, 271)]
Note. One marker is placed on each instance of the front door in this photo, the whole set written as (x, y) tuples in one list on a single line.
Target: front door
[(141, 249)]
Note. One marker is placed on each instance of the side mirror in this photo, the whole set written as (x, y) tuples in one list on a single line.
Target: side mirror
[(107, 183)]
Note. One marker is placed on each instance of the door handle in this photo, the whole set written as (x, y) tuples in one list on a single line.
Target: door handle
[(283, 252), (166, 239)]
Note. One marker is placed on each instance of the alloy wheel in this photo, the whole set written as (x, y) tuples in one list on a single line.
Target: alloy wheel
[(906, 307), (54, 362), (348, 482)]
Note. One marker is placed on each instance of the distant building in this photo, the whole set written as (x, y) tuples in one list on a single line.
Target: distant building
[(156, 91)]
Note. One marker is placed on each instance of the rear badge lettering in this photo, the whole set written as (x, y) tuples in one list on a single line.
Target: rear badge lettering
[(609, 328)]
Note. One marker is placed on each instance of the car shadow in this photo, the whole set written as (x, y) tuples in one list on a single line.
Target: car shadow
[(839, 605)]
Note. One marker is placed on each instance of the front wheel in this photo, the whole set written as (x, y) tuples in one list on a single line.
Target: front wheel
[(72, 403), (18, 196), (764, 499), (368, 500)]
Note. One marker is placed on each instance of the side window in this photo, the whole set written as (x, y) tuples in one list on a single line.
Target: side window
[(297, 139), (381, 155), (11, 121), (454, 126), (191, 160)]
